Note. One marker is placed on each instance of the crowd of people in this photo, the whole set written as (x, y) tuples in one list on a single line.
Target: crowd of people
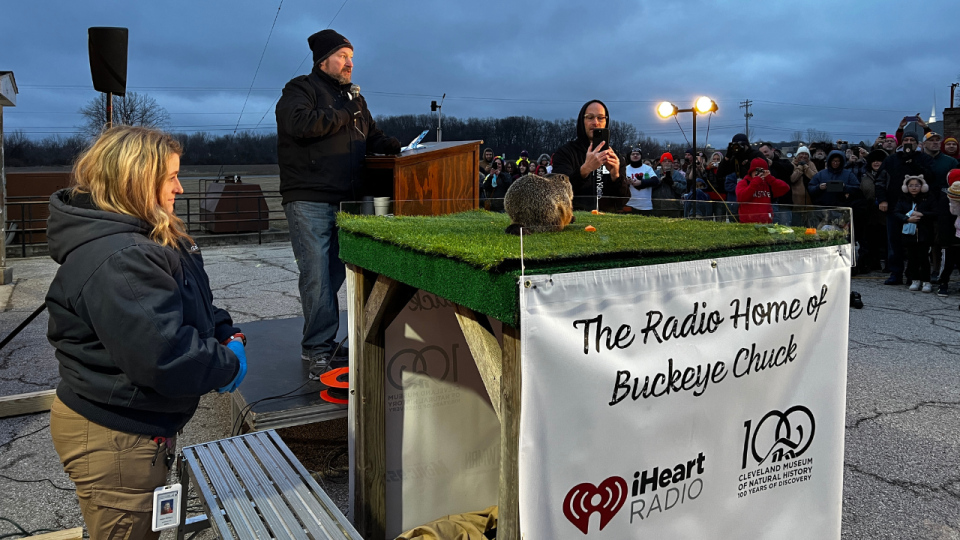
[(903, 192)]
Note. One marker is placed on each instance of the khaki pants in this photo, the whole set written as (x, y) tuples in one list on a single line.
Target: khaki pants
[(114, 474)]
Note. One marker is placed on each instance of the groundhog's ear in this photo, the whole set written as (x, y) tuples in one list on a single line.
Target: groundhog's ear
[(557, 176)]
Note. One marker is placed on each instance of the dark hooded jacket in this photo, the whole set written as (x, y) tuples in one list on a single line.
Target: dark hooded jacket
[(851, 186), (133, 323), (320, 144), (737, 159), (946, 228), (926, 205), (571, 156), (897, 166)]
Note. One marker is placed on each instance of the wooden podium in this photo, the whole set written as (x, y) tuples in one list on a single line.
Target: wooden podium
[(439, 178)]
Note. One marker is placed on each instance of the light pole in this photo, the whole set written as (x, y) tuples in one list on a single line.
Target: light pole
[(703, 105)]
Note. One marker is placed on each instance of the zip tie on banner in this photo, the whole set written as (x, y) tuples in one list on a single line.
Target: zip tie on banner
[(522, 266)]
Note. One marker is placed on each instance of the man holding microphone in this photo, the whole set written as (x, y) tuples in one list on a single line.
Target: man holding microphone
[(324, 130)]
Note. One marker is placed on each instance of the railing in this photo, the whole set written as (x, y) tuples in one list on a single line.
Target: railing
[(27, 216)]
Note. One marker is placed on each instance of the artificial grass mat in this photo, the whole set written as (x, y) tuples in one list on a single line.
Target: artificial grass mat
[(468, 259)]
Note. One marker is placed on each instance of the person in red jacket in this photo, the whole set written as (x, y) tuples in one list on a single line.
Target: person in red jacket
[(755, 190)]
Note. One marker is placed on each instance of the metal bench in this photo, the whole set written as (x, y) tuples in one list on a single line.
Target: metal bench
[(253, 487)]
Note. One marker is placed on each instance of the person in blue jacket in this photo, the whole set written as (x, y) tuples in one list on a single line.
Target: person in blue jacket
[(134, 327), (834, 171)]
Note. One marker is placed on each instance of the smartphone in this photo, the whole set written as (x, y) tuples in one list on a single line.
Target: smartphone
[(601, 134), (883, 134), (912, 118)]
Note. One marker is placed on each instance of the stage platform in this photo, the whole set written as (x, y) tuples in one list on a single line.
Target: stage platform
[(275, 368)]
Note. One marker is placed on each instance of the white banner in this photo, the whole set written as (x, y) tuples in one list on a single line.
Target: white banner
[(693, 400), (442, 435)]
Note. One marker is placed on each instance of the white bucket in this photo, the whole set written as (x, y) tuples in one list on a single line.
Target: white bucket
[(381, 205)]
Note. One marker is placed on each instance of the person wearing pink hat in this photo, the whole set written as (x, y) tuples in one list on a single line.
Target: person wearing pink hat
[(673, 184)]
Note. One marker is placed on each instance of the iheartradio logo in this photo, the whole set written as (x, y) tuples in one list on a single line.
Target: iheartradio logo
[(584, 499)]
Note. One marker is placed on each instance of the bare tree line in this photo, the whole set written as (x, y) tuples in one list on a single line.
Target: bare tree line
[(506, 136)]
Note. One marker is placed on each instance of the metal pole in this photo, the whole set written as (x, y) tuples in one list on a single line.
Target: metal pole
[(693, 164), (109, 110), (6, 276)]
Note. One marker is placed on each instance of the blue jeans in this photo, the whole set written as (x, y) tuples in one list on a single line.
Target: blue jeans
[(313, 236), (894, 245)]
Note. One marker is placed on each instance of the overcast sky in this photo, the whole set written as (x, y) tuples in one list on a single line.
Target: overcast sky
[(850, 68)]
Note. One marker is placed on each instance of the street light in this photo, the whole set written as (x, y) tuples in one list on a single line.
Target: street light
[(703, 105)]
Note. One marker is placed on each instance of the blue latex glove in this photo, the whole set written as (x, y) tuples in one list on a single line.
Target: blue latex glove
[(237, 347)]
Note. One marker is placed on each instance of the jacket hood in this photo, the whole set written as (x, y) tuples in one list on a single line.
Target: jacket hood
[(582, 131), (955, 155), (758, 163), (843, 161), (877, 155), (543, 157), (74, 221)]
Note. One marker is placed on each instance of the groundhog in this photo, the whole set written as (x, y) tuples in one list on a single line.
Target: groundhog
[(539, 204)]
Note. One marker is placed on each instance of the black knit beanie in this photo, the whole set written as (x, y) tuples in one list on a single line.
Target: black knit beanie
[(326, 42)]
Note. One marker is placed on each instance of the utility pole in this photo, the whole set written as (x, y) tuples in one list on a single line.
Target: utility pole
[(747, 114)]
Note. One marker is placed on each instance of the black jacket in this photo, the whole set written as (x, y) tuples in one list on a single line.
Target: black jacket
[(897, 166), (946, 228), (737, 160), (782, 169), (133, 323), (570, 157), (925, 205), (320, 144)]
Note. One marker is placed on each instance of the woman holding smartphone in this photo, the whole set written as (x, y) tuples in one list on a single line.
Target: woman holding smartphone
[(134, 326)]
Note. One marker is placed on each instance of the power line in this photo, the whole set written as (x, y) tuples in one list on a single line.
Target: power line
[(830, 107), (747, 115), (262, 54), (335, 15)]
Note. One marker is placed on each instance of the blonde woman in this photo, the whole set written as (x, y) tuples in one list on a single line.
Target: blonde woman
[(134, 326)]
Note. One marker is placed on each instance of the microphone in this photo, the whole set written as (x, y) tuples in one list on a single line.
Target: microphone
[(354, 91)]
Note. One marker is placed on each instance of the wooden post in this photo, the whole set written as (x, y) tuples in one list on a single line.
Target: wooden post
[(370, 514), (376, 303), (508, 519)]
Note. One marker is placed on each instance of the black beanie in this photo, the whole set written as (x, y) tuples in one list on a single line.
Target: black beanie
[(326, 42), (740, 137)]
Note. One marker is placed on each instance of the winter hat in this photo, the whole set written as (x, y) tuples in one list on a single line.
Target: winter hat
[(740, 137), (758, 163), (931, 135), (326, 42), (953, 177), (667, 156), (876, 155), (803, 149), (910, 134), (953, 192), (948, 139), (637, 149), (923, 183), (524, 154), (690, 151), (891, 136)]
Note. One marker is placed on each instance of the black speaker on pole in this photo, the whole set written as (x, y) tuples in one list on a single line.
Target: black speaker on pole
[(108, 59)]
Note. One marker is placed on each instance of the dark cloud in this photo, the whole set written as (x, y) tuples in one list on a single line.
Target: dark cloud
[(873, 62)]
